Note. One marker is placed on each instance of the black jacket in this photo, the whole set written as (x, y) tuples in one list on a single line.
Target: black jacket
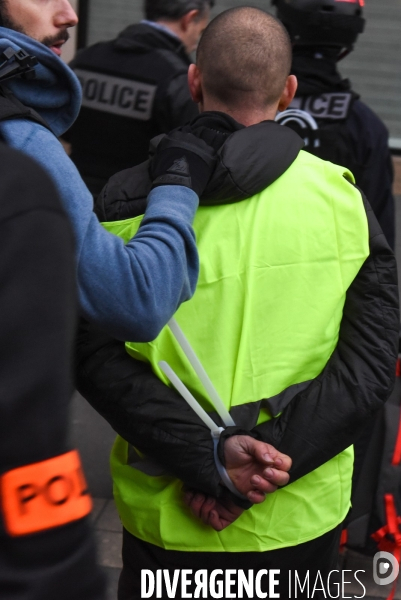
[(134, 88), (364, 133), (320, 418), (37, 326)]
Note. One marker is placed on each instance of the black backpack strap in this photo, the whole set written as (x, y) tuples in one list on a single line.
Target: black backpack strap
[(12, 108)]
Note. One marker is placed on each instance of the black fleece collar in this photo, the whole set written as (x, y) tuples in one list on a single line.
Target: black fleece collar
[(249, 158), (214, 127)]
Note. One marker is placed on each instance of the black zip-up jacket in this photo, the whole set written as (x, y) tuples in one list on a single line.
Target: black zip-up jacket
[(134, 88), (37, 326), (319, 418), (365, 134)]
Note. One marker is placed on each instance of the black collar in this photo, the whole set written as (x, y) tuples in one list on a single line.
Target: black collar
[(144, 38), (317, 75)]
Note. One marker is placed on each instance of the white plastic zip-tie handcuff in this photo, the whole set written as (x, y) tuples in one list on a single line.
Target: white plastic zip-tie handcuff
[(222, 411)]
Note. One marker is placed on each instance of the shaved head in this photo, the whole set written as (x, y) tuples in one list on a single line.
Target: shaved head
[(244, 57)]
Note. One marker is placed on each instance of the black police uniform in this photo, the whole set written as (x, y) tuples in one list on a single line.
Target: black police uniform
[(134, 88), (47, 549), (357, 133), (46, 545)]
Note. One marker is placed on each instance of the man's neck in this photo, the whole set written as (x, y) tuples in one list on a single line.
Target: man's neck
[(245, 116), (171, 26)]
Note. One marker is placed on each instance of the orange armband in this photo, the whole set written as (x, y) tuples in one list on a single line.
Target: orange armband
[(44, 495)]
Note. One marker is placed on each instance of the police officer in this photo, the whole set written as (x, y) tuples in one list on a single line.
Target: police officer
[(343, 130), (47, 549), (135, 87)]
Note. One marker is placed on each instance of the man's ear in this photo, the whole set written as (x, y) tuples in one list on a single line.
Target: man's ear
[(187, 19), (288, 93), (195, 84)]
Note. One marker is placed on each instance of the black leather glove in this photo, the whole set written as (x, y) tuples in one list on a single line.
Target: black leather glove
[(181, 158)]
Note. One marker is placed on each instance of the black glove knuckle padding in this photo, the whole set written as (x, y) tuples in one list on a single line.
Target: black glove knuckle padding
[(181, 158), (189, 142)]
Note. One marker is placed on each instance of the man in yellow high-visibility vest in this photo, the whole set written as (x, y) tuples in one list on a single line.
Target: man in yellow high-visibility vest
[(295, 319)]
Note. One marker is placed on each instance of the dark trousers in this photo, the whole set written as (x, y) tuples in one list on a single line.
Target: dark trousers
[(320, 554)]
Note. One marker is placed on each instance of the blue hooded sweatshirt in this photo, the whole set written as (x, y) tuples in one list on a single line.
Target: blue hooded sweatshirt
[(130, 291)]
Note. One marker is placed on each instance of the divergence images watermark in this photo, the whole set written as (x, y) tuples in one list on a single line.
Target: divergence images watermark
[(232, 583), (385, 568)]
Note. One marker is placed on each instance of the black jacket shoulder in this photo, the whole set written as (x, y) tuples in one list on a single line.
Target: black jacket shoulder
[(242, 170), (141, 41)]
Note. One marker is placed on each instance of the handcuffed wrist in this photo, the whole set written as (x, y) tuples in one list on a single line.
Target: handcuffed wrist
[(227, 433), (221, 469)]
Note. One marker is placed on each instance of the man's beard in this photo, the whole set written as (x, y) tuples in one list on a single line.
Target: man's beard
[(48, 41), (62, 36)]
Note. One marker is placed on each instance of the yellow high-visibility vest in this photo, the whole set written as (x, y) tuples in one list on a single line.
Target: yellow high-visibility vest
[(266, 314)]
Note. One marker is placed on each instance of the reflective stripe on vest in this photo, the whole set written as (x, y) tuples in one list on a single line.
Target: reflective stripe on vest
[(265, 316)]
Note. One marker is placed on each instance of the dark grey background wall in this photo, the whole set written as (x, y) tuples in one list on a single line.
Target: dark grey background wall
[(374, 67)]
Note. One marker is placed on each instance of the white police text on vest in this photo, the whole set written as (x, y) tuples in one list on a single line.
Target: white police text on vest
[(117, 95), (334, 106)]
